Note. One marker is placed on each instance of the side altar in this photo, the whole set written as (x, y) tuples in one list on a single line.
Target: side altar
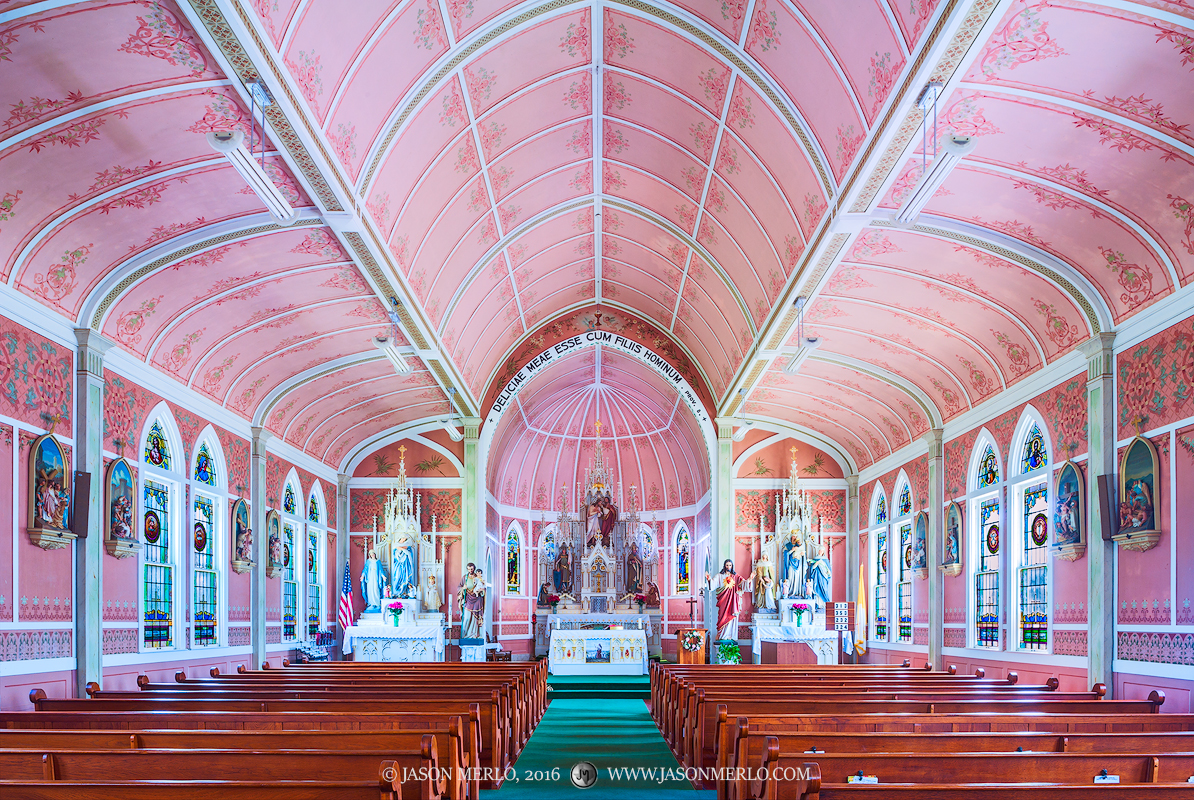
[(400, 568), (599, 568)]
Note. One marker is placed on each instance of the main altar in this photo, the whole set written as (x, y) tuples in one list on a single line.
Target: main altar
[(400, 568), (599, 571)]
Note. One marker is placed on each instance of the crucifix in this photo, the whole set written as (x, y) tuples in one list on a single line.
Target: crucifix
[(402, 452), (691, 611)]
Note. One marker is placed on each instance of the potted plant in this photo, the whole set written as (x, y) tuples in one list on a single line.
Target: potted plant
[(641, 599), (395, 609), (729, 652), (800, 608)]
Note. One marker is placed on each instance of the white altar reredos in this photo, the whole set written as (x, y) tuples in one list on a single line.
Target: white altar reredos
[(597, 652)]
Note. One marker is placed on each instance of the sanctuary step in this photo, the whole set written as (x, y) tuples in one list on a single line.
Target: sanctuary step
[(608, 687)]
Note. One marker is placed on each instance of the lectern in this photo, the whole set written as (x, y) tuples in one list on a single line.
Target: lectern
[(691, 644)]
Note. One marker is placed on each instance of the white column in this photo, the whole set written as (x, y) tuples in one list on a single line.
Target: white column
[(89, 551), (1100, 555), (934, 547), (258, 598), (852, 540)]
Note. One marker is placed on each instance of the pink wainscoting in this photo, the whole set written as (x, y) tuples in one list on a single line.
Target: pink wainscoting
[(1071, 679), (1179, 694), (124, 678), (14, 689)]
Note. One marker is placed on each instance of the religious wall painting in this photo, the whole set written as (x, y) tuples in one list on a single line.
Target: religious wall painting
[(1137, 527), (49, 494), (920, 546), (274, 555), (120, 505), (242, 538), (951, 557), (1069, 518)]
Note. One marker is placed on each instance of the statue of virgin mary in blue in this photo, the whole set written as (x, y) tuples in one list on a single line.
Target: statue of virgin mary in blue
[(402, 569)]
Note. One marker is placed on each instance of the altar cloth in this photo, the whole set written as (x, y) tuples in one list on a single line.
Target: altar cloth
[(597, 652), (390, 644)]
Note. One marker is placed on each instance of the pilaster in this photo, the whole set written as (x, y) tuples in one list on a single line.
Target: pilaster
[(343, 549), (89, 547), (721, 543), (259, 599), (934, 547), (853, 562), (1100, 554)]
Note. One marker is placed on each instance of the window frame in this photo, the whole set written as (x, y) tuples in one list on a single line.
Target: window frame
[(1018, 487), (879, 589), (976, 497), (173, 482)]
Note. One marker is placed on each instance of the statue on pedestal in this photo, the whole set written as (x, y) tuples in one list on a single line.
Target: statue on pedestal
[(764, 584), (634, 571), (431, 596), (819, 580), (729, 600), (374, 581), (472, 604), (403, 582), (561, 572)]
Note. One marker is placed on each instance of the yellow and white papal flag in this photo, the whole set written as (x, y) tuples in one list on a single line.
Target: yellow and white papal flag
[(860, 618)]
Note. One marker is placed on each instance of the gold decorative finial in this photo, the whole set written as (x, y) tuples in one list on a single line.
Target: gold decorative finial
[(793, 451), (402, 451), (598, 424)]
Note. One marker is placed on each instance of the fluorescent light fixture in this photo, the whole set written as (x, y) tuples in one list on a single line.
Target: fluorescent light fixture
[(454, 432), (807, 345), (401, 365), (956, 148), (744, 424), (231, 145)]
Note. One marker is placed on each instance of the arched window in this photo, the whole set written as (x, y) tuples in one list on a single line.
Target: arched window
[(289, 583), (289, 503), (513, 561), (206, 538), (879, 573), (902, 526), (316, 539), (985, 535), (161, 523), (313, 514), (1028, 495), (683, 555)]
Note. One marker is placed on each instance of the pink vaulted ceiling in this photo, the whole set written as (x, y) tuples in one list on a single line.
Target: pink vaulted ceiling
[(548, 436), (677, 161)]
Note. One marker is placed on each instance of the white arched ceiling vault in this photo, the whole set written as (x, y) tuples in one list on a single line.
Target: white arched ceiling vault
[(496, 166)]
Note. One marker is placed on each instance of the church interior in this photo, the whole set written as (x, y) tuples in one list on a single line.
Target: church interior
[(445, 366)]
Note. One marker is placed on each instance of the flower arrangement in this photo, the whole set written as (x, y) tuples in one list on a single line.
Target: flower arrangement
[(640, 599), (729, 653), (800, 608), (395, 609), (691, 641), (554, 601)]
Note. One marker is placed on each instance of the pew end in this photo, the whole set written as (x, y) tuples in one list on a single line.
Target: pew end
[(1157, 698), (808, 786), (180, 676), (1100, 690), (240, 669), (1052, 684), (980, 673), (142, 681), (265, 664), (928, 666), (214, 672), (91, 688), (286, 662), (907, 663), (953, 669), (1013, 677), (35, 695), (388, 780)]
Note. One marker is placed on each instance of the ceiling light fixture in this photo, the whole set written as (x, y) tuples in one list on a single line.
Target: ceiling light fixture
[(389, 344), (744, 424), (807, 343), (449, 422), (932, 175), (250, 164)]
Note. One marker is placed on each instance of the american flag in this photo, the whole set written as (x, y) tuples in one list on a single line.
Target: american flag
[(344, 610)]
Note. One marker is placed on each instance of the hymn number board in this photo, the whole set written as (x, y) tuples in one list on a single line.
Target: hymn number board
[(842, 615)]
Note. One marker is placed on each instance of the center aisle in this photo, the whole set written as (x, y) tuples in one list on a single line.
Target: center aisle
[(608, 732)]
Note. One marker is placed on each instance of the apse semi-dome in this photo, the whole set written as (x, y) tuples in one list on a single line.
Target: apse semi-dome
[(548, 437)]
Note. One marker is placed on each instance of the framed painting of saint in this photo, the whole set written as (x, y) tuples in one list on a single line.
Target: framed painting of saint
[(49, 494), (1069, 518), (242, 538), (273, 530), (1137, 527), (120, 507), (951, 556), (920, 558)]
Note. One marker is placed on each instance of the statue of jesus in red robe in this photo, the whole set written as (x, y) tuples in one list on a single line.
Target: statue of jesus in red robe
[(729, 600)]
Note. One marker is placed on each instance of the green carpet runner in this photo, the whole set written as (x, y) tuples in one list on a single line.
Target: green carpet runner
[(605, 722)]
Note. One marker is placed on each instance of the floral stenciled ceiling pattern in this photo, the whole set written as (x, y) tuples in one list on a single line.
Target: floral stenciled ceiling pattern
[(679, 163)]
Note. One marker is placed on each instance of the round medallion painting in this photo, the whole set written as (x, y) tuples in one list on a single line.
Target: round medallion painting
[(908, 556), (993, 539), (310, 562), (200, 537), (286, 555), (884, 555), (153, 526), (1040, 530)]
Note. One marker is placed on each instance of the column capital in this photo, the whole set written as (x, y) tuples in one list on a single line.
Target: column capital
[(92, 347), (342, 483), (261, 438), (852, 485), (934, 439), (1100, 358), (472, 427), (725, 426)]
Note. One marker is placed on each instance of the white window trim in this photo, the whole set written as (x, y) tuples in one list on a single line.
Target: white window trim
[(217, 535), (147, 471), (675, 570), (1017, 484)]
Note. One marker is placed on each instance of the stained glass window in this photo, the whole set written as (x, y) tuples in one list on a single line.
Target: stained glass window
[(988, 469), (289, 584), (1034, 569), (157, 449), (314, 585), (289, 504), (313, 510), (881, 585), (904, 588), (158, 575), (513, 563), (205, 468), (205, 579), (682, 556), (986, 579), (880, 510), (1035, 454), (904, 508)]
